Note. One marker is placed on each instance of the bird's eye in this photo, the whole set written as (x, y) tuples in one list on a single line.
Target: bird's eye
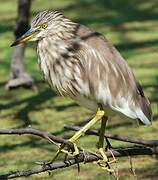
[(43, 26)]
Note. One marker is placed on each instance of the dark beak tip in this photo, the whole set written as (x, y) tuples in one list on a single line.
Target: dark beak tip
[(13, 44), (24, 38)]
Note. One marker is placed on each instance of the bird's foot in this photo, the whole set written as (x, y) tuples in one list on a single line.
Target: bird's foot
[(105, 163), (70, 149)]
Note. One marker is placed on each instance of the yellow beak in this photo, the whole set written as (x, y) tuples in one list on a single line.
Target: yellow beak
[(24, 38)]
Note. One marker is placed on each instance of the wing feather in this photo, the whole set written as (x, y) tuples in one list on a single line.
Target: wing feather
[(109, 77)]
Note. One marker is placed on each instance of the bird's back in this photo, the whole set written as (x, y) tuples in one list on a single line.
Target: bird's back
[(110, 79), (91, 71)]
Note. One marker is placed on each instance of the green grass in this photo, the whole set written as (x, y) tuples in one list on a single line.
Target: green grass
[(132, 26)]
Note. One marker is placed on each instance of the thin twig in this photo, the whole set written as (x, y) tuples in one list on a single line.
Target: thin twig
[(151, 143)]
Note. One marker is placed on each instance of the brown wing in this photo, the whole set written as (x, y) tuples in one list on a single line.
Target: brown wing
[(144, 102), (110, 79)]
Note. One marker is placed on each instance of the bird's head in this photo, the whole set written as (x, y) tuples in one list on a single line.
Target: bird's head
[(46, 23)]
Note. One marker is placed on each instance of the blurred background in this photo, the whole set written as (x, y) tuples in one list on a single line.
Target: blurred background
[(132, 27)]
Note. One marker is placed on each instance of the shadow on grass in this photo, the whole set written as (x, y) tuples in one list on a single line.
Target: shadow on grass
[(136, 45), (128, 11), (63, 107), (32, 143), (32, 104), (149, 172), (111, 11)]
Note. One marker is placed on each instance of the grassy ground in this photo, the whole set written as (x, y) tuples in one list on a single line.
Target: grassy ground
[(132, 26)]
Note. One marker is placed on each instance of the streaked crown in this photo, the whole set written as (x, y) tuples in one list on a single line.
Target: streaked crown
[(50, 23), (46, 16)]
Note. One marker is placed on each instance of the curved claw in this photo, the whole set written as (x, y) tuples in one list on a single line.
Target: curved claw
[(104, 163), (69, 151), (73, 152)]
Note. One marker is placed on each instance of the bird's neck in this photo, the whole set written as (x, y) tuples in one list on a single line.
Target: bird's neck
[(55, 63)]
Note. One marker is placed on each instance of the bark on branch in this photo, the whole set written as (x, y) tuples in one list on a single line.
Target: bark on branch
[(85, 157), (30, 131)]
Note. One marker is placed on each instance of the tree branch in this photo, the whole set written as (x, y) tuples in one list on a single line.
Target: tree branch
[(151, 143), (85, 157), (30, 131)]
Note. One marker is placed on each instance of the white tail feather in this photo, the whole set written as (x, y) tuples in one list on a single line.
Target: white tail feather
[(142, 117)]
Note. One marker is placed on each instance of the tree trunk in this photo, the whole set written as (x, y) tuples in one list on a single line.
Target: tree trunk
[(18, 75)]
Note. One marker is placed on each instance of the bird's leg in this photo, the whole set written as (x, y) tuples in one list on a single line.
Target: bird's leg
[(101, 148), (78, 134), (81, 132)]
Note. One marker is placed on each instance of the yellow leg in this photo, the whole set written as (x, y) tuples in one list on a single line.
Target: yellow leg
[(101, 146), (101, 138), (78, 134)]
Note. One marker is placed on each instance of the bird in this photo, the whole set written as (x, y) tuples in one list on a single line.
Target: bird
[(82, 64)]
